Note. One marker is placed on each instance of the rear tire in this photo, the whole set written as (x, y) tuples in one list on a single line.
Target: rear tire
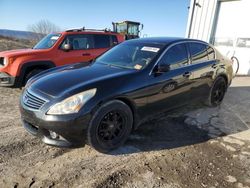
[(110, 126), (31, 74), (217, 92)]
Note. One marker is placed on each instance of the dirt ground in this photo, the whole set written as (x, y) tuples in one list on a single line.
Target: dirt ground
[(192, 147), (8, 43)]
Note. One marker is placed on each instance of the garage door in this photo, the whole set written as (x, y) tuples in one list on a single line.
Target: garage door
[(232, 35)]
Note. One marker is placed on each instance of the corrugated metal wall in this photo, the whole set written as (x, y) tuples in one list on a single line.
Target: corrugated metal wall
[(224, 24), (200, 25)]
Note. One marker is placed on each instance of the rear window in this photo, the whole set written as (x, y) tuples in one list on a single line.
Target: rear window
[(198, 52), (211, 53), (102, 41)]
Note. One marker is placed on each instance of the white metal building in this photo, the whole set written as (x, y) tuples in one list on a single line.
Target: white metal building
[(224, 23)]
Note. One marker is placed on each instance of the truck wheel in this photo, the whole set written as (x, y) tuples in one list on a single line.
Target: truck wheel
[(217, 92), (110, 126), (31, 74)]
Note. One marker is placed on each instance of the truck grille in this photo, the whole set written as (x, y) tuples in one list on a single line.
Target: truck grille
[(32, 101)]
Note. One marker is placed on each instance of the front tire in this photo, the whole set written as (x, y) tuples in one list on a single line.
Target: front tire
[(110, 126), (217, 92), (31, 74)]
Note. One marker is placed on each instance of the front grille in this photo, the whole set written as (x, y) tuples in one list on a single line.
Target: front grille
[(32, 101), (1, 61)]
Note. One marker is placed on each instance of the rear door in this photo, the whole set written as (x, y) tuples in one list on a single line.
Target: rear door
[(204, 66), (172, 88), (102, 43)]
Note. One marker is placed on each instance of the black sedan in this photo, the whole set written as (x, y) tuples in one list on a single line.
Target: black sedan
[(102, 102)]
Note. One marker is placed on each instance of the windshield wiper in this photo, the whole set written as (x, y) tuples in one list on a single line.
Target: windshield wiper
[(120, 66), (114, 65), (102, 63)]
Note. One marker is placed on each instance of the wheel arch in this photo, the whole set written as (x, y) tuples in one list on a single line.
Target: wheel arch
[(28, 66), (132, 106), (223, 75), (128, 102)]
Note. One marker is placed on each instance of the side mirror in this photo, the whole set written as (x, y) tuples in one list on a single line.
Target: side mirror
[(142, 26), (163, 68), (114, 43), (67, 47)]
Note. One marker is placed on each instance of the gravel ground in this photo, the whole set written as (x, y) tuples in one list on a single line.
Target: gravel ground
[(192, 147)]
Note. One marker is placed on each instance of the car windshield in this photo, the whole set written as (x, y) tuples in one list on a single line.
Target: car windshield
[(47, 42), (130, 55)]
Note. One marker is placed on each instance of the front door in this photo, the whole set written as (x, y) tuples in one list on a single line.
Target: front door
[(85, 47), (172, 88)]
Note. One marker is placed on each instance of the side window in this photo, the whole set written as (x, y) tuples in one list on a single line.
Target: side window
[(79, 42), (114, 40), (102, 41), (176, 56), (211, 53), (198, 52)]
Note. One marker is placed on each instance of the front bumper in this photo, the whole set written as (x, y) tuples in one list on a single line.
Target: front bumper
[(7, 80), (61, 131)]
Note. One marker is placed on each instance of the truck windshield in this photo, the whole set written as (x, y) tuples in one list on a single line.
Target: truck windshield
[(47, 42), (122, 28), (130, 56)]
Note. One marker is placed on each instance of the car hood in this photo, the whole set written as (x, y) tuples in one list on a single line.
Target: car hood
[(20, 52), (61, 81)]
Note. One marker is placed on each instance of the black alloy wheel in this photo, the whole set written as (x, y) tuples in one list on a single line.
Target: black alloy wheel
[(218, 91), (110, 126)]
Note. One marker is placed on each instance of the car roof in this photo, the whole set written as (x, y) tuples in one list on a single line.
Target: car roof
[(89, 32), (162, 40)]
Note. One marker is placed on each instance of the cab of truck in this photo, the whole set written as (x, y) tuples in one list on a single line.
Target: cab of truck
[(56, 49), (130, 29)]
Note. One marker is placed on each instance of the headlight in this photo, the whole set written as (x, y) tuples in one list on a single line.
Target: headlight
[(72, 104)]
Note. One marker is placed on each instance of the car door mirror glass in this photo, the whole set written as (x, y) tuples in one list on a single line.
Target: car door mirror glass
[(67, 47)]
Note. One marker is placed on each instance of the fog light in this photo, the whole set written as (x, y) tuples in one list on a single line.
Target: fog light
[(5, 80), (53, 135)]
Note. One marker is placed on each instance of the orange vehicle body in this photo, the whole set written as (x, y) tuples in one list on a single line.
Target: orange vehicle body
[(15, 65)]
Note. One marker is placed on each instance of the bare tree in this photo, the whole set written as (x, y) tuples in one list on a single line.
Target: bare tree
[(43, 27)]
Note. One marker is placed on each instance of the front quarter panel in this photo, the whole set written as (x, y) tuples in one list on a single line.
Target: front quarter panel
[(130, 88)]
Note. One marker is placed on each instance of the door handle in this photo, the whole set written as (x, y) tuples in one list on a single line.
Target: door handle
[(187, 74), (86, 54)]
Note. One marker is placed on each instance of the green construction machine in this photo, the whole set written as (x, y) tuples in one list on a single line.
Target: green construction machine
[(129, 29)]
